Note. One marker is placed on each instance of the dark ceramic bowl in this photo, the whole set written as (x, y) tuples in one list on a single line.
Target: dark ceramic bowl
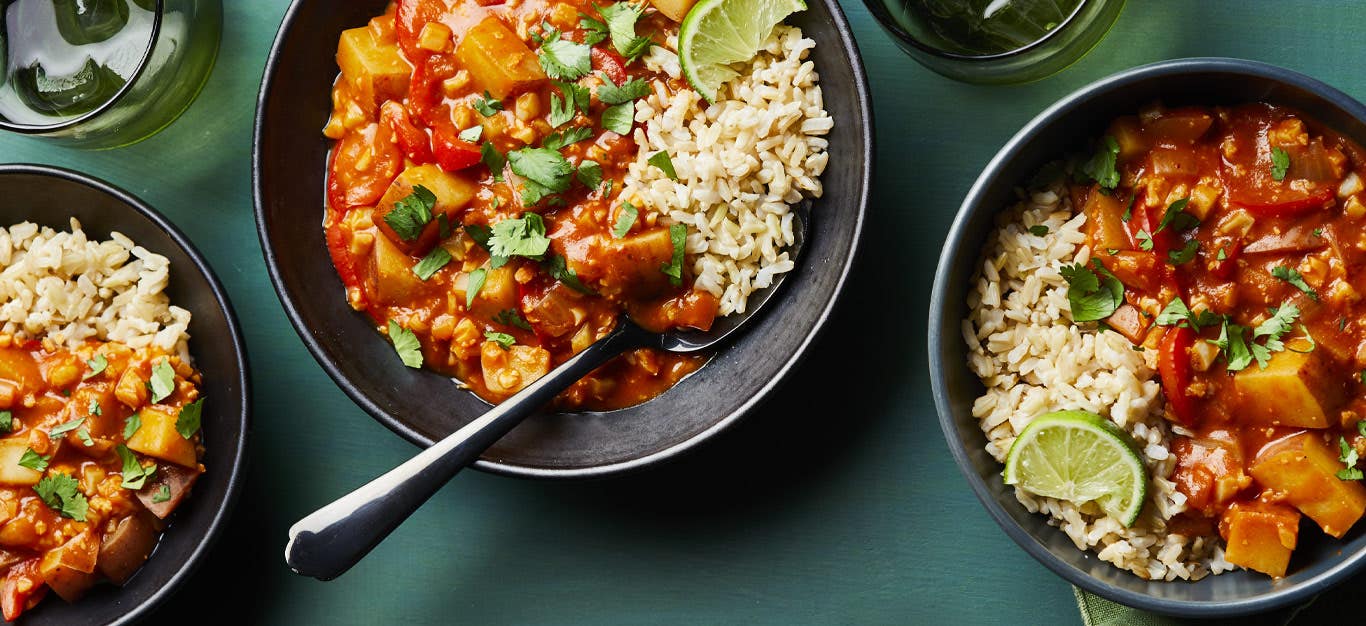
[(423, 406), (1319, 561), (51, 197)]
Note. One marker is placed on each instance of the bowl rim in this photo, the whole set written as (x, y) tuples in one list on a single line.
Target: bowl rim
[(43, 129), (945, 288), (236, 475), (862, 100), (884, 17)]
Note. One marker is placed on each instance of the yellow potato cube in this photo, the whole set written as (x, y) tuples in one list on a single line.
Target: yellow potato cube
[(1295, 389), (157, 437), (376, 70), (497, 59), (11, 473), (1261, 537), (1302, 469)]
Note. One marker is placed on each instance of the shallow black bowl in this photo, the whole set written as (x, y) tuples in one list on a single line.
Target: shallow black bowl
[(51, 196), (1319, 561), (423, 406)]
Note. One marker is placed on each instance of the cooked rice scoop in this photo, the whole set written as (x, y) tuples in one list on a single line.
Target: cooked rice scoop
[(1034, 360), (742, 163), (64, 287)]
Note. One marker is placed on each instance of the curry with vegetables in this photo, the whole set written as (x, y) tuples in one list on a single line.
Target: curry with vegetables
[(1229, 244), (100, 444), (473, 206)]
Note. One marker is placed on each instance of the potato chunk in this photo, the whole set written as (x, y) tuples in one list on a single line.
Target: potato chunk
[(674, 9), (452, 192), (508, 371), (69, 570), (1260, 536), (125, 549), (1302, 469), (497, 60), (157, 437), (395, 282), (11, 473), (1295, 390), (498, 294), (374, 69)]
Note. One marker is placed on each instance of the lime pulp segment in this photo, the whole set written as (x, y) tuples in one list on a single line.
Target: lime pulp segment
[(1080, 457), (719, 33)]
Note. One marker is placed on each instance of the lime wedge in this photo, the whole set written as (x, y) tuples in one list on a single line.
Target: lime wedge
[(1080, 457), (718, 33)]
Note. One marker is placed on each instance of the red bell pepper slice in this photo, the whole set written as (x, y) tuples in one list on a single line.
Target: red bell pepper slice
[(1174, 367)]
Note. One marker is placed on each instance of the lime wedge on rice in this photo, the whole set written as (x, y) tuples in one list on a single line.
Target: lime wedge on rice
[(1080, 457), (719, 33)]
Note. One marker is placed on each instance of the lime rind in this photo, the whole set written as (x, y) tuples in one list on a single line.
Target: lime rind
[(717, 34), (1080, 457)]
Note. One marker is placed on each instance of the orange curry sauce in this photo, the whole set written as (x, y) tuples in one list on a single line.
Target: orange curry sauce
[(1253, 217), (412, 81)]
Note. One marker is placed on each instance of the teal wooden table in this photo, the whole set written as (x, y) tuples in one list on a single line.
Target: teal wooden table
[(836, 502)]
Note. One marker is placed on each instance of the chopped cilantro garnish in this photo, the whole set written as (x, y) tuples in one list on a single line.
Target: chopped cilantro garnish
[(678, 235), (471, 134), (544, 170), (564, 105), (1240, 353), (1307, 337), (1038, 230), (84, 436), (412, 214), (1221, 255), (564, 60), (1185, 254), (503, 340), (488, 105), (33, 460), (1177, 313), (522, 236), (556, 141), (1145, 241), (626, 218), (163, 493), (61, 493), (433, 262), (589, 173), (95, 407), (596, 30), (6, 421), (1317, 232), (476, 282), (1348, 455), (1101, 167), (559, 269), (97, 365), (1176, 217), (407, 346), (64, 428), (618, 118), (621, 25), (509, 317), (187, 423), (493, 159), (1280, 163), (665, 164), (610, 93), (131, 425), (134, 474), (1092, 296), (1129, 211), (163, 381), (1296, 280)]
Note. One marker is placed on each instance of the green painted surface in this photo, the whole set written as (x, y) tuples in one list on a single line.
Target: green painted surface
[(840, 505)]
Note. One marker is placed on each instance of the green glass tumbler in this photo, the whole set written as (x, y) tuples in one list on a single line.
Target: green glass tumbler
[(94, 107)]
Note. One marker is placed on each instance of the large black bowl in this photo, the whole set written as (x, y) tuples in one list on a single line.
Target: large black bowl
[(423, 406), (50, 196), (1319, 561)]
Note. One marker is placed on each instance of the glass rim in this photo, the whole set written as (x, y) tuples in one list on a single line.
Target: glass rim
[(880, 11), (40, 129)]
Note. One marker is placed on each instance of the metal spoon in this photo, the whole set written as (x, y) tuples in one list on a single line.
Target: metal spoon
[(332, 539)]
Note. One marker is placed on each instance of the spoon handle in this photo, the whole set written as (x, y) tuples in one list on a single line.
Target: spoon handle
[(332, 539)]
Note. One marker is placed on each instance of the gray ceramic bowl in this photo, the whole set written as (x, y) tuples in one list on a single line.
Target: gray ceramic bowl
[(51, 196), (423, 406), (1319, 561)]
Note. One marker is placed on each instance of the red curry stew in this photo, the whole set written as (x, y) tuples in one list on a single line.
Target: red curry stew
[(474, 267), (1239, 234), (100, 444)]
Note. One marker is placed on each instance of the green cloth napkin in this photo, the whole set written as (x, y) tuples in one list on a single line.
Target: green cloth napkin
[(1097, 611)]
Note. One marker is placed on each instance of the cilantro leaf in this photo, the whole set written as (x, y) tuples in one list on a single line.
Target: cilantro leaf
[(1280, 163), (407, 346), (589, 173), (64, 428), (1129, 211), (564, 60), (1349, 457), (60, 492), (6, 421), (131, 425), (545, 171), (559, 269), (523, 236), (134, 474), (618, 118), (596, 30), (621, 25), (1177, 217), (665, 164), (1185, 254), (187, 423), (562, 109), (432, 263), (471, 134), (504, 340), (488, 105), (1145, 241), (84, 436), (476, 282), (556, 141), (1296, 280), (97, 365), (1101, 166), (33, 460), (626, 218), (509, 317), (163, 493), (1092, 297), (95, 407), (1313, 345), (493, 159), (411, 214), (1177, 313), (1038, 230), (678, 235), (163, 381), (611, 93)]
